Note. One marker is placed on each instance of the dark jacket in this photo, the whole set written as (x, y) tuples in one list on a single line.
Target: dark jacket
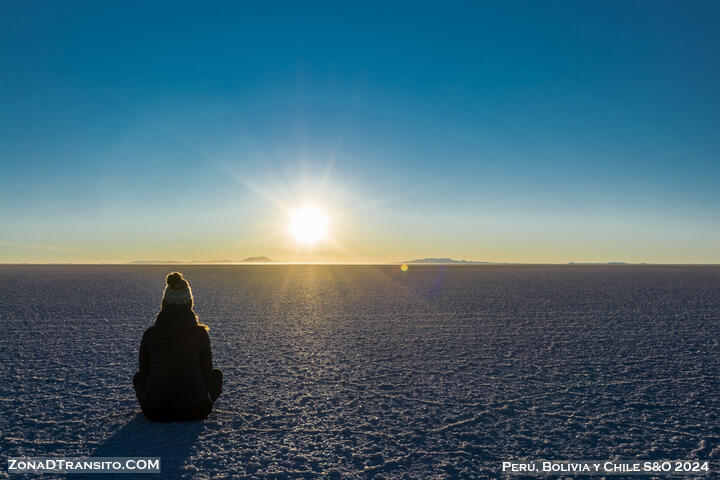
[(175, 360)]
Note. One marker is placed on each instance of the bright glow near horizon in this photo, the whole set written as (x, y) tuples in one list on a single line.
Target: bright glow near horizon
[(308, 225)]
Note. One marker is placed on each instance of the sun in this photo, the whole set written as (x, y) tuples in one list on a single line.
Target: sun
[(308, 225)]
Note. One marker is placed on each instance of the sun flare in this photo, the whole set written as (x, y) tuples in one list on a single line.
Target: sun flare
[(308, 225)]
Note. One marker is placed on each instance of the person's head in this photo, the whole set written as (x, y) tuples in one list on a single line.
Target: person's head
[(177, 291)]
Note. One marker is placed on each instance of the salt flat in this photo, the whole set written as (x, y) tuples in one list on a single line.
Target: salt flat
[(367, 371)]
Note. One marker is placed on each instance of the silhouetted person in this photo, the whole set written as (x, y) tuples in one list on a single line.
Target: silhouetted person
[(177, 380)]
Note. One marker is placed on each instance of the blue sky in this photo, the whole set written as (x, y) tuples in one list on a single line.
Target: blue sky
[(513, 131)]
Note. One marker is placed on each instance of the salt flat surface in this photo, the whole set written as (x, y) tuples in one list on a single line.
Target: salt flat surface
[(366, 371)]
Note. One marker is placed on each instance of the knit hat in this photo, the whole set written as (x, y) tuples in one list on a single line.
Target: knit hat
[(178, 290)]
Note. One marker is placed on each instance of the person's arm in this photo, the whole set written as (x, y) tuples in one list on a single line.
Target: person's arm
[(206, 363), (144, 356)]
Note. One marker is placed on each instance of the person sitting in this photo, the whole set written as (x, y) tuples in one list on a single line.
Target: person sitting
[(177, 381)]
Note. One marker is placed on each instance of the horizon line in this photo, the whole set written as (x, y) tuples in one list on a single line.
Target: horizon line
[(461, 264)]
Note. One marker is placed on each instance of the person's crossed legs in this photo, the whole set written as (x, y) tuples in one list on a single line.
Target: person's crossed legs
[(213, 384), (139, 384)]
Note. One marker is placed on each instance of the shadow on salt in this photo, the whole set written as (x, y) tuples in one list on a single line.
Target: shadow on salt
[(172, 442)]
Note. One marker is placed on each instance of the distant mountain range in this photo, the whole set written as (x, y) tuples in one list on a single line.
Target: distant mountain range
[(598, 263), (444, 260), (471, 262), (257, 260), (154, 261), (244, 260)]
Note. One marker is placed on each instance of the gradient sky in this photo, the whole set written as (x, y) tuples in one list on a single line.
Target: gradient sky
[(513, 131)]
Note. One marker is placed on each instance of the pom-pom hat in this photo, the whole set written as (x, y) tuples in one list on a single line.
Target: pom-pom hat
[(178, 291)]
